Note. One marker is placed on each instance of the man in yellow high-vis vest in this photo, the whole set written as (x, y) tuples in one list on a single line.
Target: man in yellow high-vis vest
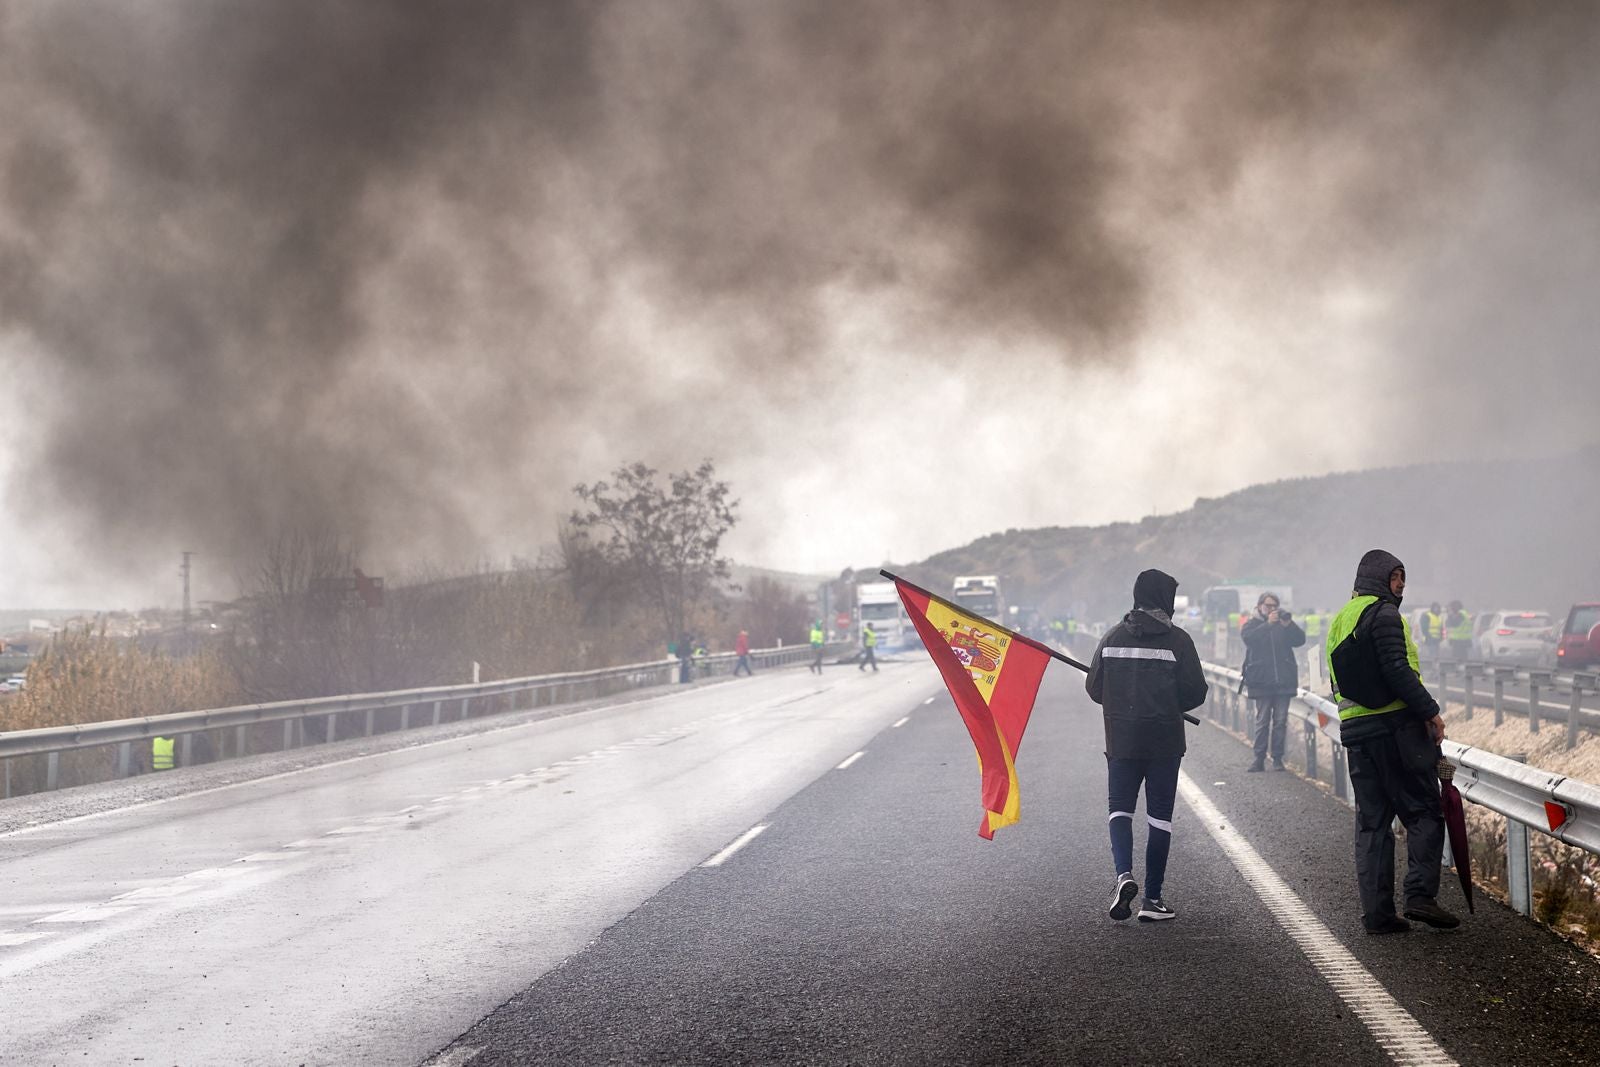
[(1390, 727), (1458, 631)]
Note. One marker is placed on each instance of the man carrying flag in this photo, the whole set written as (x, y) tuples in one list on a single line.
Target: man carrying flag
[(993, 674), (1145, 675)]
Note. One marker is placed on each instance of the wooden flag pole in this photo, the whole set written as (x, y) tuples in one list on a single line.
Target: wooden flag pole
[(1030, 642)]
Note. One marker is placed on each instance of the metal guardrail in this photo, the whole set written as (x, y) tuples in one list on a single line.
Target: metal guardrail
[(1553, 804), (434, 704), (1458, 682)]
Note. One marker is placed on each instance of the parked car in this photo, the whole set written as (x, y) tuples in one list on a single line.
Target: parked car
[(14, 683), (1578, 647), (1515, 637)]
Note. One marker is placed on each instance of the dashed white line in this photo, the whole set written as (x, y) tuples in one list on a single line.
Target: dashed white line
[(901, 723), (930, 700), (1394, 1028), (86, 915), (738, 843), (849, 760), (11, 940)]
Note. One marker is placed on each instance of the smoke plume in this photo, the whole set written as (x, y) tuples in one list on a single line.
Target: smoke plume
[(412, 270)]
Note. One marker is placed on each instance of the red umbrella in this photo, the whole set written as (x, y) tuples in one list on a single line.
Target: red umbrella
[(1455, 824)]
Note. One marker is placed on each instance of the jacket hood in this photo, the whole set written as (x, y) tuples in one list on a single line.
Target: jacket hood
[(1142, 622), (1372, 575), (1155, 589)]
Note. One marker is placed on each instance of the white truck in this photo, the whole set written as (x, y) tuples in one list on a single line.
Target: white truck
[(879, 603), (980, 594)]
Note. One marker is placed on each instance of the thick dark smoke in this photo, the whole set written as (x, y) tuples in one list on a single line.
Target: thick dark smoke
[(412, 269)]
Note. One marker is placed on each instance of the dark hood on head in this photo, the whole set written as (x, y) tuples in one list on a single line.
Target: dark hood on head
[(1155, 589), (1372, 575)]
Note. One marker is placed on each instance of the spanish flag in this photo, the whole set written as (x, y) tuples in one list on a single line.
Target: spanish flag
[(994, 676)]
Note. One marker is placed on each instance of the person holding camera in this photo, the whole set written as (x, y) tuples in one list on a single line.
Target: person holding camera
[(1271, 674)]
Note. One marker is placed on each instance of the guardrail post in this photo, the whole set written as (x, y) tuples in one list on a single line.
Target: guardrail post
[(288, 734), (188, 750), (1535, 679), (437, 706), (8, 778), (1575, 709), (332, 727), (240, 740), (1519, 862), (1341, 774), (466, 707), (1311, 752), (405, 716), (1499, 695), (52, 770), (1466, 685), (370, 713), (124, 758)]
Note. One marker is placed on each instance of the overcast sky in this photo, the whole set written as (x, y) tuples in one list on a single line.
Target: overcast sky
[(908, 273)]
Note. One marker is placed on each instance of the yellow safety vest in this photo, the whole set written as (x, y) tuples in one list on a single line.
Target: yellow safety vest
[(1341, 627), (1313, 625), (817, 637), (871, 638), (161, 753), (1432, 626), (1462, 631)]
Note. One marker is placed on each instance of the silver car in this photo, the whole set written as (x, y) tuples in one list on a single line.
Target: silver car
[(1515, 637)]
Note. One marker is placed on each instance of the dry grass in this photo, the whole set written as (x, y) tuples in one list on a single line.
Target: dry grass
[(1566, 880), (85, 676)]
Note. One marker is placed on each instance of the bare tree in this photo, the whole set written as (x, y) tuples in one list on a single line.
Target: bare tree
[(662, 539)]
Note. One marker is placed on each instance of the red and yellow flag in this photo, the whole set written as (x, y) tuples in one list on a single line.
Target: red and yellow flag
[(994, 676)]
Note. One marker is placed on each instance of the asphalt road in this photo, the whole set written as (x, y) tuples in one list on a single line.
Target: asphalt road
[(534, 891), (369, 905), (869, 924)]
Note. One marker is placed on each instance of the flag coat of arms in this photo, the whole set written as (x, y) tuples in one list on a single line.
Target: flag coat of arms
[(994, 676)]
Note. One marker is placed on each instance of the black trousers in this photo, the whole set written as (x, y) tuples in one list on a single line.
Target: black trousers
[(1386, 788)]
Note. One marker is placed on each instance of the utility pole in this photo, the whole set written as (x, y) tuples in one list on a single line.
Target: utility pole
[(184, 570)]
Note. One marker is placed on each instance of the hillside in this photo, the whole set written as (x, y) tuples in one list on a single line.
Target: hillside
[(1503, 534)]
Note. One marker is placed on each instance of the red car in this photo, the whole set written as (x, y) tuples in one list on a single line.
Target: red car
[(1579, 646)]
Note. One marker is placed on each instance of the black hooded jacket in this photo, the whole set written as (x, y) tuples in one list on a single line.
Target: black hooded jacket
[(1146, 674), (1270, 669), (1386, 630)]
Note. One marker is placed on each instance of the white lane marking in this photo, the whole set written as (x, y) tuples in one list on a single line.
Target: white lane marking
[(738, 843), (849, 761), (1407, 1043), (901, 723), (10, 940), (155, 892), (928, 701), (474, 736), (24, 910), (86, 915), (354, 830)]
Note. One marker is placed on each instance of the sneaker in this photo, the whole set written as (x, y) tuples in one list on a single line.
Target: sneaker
[(1256, 766), (1277, 765), (1428, 911), (1392, 925), (1153, 911), (1122, 897)]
